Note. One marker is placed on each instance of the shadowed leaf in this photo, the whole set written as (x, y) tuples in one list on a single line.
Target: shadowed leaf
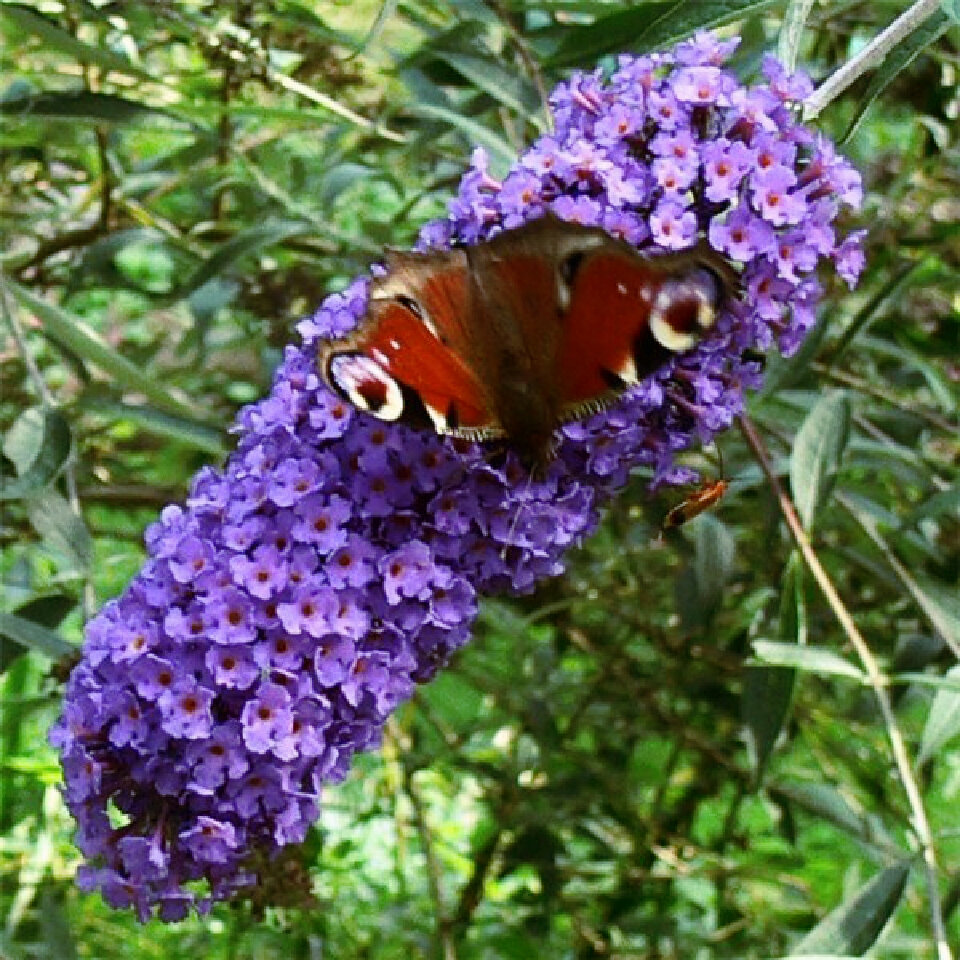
[(817, 452), (855, 925)]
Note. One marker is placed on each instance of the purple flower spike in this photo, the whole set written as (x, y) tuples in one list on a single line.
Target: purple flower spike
[(336, 560)]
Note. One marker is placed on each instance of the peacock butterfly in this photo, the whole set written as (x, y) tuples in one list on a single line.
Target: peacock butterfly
[(516, 335)]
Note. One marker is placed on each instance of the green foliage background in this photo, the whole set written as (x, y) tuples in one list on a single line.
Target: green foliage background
[(674, 751)]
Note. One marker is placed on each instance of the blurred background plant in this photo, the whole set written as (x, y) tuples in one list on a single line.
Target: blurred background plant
[(672, 751)]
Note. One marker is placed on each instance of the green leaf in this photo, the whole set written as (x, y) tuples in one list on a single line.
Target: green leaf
[(810, 659), (896, 61), (56, 38), (905, 276), (47, 611), (54, 519), (855, 926), (474, 131), (713, 555), (765, 704), (77, 336), (33, 636), (80, 105), (768, 690), (941, 606), (943, 720), (244, 244), (945, 502), (822, 800), (505, 86), (791, 32), (53, 453), (55, 924), (952, 9), (649, 26), (817, 452), (193, 433), (22, 442)]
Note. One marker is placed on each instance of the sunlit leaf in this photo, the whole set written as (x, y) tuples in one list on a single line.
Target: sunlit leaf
[(56, 38), (943, 720), (810, 659)]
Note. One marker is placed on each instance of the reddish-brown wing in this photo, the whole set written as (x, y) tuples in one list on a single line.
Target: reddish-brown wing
[(628, 313), (409, 355), (611, 296)]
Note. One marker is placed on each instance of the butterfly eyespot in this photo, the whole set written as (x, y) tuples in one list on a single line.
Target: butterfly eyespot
[(685, 308), (366, 384)]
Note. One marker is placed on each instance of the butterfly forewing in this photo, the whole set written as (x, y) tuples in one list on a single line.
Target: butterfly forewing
[(411, 346)]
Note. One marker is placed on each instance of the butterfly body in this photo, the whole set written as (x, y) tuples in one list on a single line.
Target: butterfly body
[(516, 335)]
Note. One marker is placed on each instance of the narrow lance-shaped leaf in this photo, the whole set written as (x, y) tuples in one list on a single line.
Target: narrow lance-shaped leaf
[(505, 86), (56, 38), (855, 925), (33, 636), (243, 244), (817, 452), (943, 720), (89, 345), (713, 559), (896, 61), (81, 105), (768, 690), (791, 32), (649, 25), (826, 802), (810, 659), (61, 528)]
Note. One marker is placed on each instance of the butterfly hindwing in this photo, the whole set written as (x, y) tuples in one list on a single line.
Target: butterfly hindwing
[(628, 314)]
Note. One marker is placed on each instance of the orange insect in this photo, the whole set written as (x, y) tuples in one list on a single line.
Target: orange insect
[(695, 504)]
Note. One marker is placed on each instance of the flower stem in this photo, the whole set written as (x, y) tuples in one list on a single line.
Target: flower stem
[(871, 55), (875, 678)]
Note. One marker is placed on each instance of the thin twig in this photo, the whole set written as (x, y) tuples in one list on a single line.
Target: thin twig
[(875, 678), (869, 57), (444, 932)]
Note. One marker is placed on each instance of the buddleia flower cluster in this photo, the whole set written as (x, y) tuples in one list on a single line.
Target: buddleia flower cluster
[(335, 562)]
